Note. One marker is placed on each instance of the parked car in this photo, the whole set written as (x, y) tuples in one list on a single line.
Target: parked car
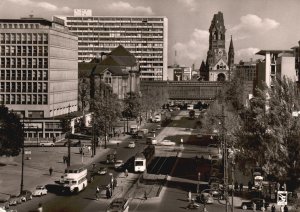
[(131, 144), (39, 191), (151, 140), (118, 164), (25, 195), (167, 143), (102, 171), (46, 143), (260, 204), (205, 197)]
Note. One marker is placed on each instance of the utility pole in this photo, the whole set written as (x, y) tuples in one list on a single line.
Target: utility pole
[(22, 171), (232, 184), (69, 143)]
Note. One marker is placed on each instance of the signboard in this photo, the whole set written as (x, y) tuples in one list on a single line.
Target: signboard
[(282, 198), (178, 74)]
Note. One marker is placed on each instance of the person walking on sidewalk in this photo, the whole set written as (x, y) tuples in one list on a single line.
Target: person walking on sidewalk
[(126, 173), (273, 209), (40, 208), (97, 193), (50, 170), (286, 209), (189, 196), (254, 206)]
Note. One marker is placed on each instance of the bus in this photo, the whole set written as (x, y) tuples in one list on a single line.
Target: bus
[(75, 179), (139, 162)]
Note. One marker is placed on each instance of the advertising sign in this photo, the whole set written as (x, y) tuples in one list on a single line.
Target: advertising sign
[(282, 198)]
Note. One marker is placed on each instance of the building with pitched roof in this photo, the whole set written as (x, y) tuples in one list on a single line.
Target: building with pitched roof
[(119, 69)]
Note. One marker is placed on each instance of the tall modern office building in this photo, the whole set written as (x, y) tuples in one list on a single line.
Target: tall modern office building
[(38, 70), (146, 37)]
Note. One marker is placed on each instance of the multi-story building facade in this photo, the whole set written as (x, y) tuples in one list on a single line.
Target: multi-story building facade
[(276, 65), (38, 71), (146, 37)]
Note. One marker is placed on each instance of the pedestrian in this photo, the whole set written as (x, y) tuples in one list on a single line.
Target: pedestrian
[(281, 209), (254, 206), (110, 192), (236, 186), (50, 170), (89, 149), (286, 209), (64, 159), (115, 182), (249, 185), (241, 187), (284, 186), (273, 209), (126, 173), (189, 196), (40, 207), (107, 192), (145, 195), (97, 192)]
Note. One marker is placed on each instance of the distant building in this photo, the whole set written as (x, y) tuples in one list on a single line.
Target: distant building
[(178, 73), (119, 69), (146, 37), (217, 63), (38, 73), (246, 70), (277, 64)]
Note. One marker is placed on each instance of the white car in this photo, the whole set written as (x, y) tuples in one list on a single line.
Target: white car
[(102, 171), (167, 143), (40, 191), (118, 164), (131, 144), (43, 143)]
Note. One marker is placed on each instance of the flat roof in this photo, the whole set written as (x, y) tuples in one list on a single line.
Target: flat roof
[(264, 52)]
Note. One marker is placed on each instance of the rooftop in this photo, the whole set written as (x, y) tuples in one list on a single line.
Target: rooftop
[(264, 52)]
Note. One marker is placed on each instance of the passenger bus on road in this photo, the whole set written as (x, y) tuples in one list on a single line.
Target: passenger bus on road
[(75, 179), (139, 162)]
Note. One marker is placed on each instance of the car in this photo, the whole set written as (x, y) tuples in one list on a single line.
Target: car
[(261, 204), (118, 204), (205, 197), (167, 143), (14, 200), (118, 164), (131, 144), (102, 171), (25, 195), (39, 191), (151, 140), (46, 143)]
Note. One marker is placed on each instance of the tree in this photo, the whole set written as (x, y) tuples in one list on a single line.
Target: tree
[(107, 109), (11, 133), (132, 105), (83, 93), (270, 132)]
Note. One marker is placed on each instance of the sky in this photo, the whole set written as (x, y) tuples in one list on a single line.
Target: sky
[(253, 24)]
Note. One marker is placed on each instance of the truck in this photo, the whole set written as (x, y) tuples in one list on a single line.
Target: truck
[(111, 158), (133, 129)]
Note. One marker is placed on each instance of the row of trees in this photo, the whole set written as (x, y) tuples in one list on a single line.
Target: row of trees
[(266, 132)]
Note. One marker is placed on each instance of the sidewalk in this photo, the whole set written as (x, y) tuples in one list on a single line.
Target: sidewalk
[(36, 170)]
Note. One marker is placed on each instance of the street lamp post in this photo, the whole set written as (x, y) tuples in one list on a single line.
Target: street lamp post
[(198, 185), (22, 170)]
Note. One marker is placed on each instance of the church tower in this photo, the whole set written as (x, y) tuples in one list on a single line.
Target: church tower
[(217, 56), (231, 54)]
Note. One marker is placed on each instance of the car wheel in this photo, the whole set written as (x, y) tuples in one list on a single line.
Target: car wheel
[(244, 207)]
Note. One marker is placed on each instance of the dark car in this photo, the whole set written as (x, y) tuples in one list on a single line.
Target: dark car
[(260, 204)]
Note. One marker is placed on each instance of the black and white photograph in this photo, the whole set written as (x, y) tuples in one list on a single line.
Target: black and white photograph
[(149, 105)]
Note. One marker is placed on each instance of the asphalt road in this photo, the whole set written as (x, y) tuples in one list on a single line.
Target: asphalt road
[(85, 200)]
